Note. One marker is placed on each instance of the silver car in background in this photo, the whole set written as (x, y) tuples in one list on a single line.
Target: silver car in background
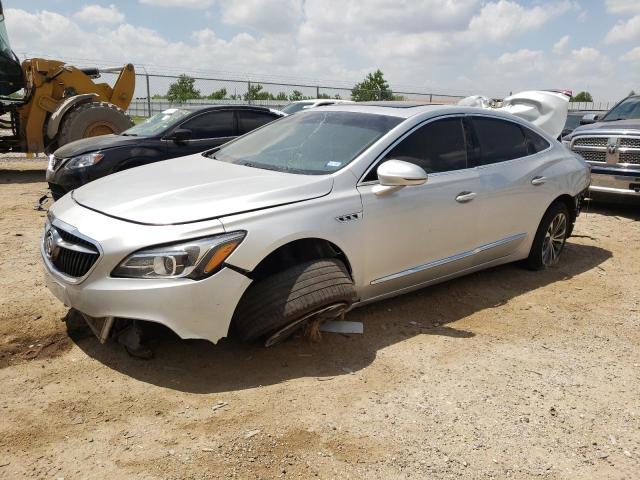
[(310, 216)]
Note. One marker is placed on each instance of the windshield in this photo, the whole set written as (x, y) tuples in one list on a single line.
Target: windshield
[(628, 109), (573, 121), (312, 143), (295, 107), (5, 47), (158, 123)]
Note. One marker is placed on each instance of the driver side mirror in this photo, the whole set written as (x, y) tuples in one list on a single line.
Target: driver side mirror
[(589, 118), (396, 174), (180, 135)]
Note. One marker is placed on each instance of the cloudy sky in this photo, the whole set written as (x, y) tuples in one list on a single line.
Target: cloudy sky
[(453, 46)]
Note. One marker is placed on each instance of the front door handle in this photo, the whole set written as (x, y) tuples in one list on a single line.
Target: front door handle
[(538, 180), (464, 197)]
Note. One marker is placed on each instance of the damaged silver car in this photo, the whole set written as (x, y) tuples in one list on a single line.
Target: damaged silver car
[(313, 215)]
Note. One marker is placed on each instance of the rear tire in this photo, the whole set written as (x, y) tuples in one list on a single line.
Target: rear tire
[(550, 238), (280, 300), (92, 119)]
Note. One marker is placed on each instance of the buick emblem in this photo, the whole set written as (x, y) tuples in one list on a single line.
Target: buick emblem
[(50, 244)]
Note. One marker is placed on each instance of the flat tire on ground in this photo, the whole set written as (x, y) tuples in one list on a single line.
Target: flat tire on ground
[(281, 299)]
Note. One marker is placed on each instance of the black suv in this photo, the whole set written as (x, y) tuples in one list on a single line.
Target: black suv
[(175, 132), (611, 145)]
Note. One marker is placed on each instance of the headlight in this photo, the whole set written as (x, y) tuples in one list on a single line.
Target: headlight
[(195, 259), (84, 161)]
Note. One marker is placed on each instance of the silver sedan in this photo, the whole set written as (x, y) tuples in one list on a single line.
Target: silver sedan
[(310, 216)]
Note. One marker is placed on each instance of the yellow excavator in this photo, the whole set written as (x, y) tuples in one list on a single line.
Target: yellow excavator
[(59, 104)]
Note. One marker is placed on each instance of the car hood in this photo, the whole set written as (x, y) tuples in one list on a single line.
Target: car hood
[(194, 188), (605, 127), (94, 144)]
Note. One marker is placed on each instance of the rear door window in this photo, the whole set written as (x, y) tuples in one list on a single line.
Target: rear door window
[(211, 125), (499, 140), (251, 119)]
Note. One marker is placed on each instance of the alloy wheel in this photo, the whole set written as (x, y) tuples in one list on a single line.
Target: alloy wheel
[(554, 239)]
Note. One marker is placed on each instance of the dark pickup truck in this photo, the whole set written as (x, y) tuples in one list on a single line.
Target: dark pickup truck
[(610, 143)]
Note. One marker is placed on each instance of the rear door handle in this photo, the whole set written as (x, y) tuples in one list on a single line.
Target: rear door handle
[(464, 197), (538, 180)]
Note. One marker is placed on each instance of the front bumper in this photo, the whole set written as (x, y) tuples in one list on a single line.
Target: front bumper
[(614, 182), (192, 309)]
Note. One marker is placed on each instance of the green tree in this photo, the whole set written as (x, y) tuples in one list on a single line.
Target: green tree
[(296, 95), (256, 92), (582, 97), (373, 87), (282, 96), (218, 94), (324, 95), (157, 96), (183, 89)]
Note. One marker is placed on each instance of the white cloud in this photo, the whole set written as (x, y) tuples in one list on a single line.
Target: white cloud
[(632, 55), (276, 16), (560, 46), (499, 20), (623, 6), (427, 45), (99, 14), (179, 3), (624, 31)]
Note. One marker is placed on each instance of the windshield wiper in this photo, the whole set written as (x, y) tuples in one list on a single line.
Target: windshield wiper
[(124, 134)]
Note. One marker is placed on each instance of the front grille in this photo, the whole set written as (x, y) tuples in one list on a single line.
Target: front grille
[(630, 157), (73, 256), (630, 142), (590, 142), (593, 156)]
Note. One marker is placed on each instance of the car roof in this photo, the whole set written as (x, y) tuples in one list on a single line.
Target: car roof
[(395, 109), (316, 100), (201, 108)]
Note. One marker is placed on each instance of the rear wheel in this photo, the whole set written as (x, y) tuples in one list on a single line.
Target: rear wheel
[(550, 238), (277, 306), (91, 120)]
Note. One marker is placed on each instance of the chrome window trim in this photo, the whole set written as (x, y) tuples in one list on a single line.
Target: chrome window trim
[(361, 182), (73, 231), (452, 258)]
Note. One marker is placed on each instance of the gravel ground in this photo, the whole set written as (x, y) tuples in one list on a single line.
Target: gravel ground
[(501, 374)]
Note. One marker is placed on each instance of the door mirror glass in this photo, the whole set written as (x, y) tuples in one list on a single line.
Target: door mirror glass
[(180, 135), (589, 118), (397, 173)]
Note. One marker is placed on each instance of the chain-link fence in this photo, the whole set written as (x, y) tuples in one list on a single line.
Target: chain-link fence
[(152, 88)]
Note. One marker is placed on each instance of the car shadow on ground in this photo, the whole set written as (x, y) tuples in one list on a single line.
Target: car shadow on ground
[(21, 176), (201, 367), (620, 207)]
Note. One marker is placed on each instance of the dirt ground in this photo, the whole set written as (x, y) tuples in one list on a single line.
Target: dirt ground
[(503, 374)]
